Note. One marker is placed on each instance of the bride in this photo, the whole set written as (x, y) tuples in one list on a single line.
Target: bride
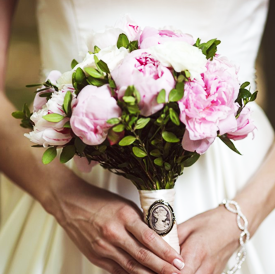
[(65, 222)]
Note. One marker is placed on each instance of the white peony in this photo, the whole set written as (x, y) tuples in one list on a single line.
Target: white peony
[(103, 39), (129, 27), (112, 56), (181, 56), (65, 79)]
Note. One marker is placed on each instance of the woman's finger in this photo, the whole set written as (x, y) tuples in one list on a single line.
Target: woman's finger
[(105, 249), (145, 257), (111, 266), (193, 256), (129, 264), (154, 243)]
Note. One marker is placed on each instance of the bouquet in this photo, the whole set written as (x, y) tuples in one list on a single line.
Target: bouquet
[(144, 104)]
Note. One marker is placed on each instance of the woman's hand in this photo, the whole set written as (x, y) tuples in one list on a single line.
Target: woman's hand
[(110, 232), (208, 240)]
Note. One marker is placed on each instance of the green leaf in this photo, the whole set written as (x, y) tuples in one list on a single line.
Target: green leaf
[(102, 148), (103, 66), (254, 96), (67, 103), (170, 137), (142, 122), (118, 128), (49, 155), (244, 85), (129, 91), (67, 125), (192, 160), (187, 74), (133, 46), (26, 110), (126, 141), (229, 143), (33, 85), (155, 153), (79, 145), (48, 95), (18, 115), (139, 152), (67, 154), (113, 121), (74, 63), (37, 146), (181, 78), (158, 161), (177, 93), (96, 82), (96, 49), (174, 117), (96, 61), (53, 117), (79, 75), (166, 149), (244, 93), (133, 109), (129, 99), (122, 41), (167, 166), (209, 48), (112, 83), (136, 94), (161, 97), (94, 72)]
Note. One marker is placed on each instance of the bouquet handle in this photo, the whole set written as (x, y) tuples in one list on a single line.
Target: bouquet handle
[(159, 215)]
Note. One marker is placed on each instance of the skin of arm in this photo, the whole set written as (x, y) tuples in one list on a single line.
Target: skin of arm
[(107, 228)]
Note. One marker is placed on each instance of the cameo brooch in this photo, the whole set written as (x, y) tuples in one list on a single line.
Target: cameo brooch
[(161, 217)]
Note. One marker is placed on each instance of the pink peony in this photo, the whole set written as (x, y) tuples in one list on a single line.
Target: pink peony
[(39, 102), (208, 105), (148, 76), (244, 126), (93, 107), (151, 37), (55, 104), (47, 133)]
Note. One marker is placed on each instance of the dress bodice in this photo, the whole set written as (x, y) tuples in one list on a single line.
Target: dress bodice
[(239, 24)]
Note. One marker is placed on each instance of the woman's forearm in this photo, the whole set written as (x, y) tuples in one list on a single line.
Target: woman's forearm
[(22, 163), (18, 160), (257, 199)]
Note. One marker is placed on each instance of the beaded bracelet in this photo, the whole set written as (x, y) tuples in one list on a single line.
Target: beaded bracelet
[(242, 222)]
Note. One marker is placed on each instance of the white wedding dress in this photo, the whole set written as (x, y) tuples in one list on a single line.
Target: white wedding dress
[(31, 241)]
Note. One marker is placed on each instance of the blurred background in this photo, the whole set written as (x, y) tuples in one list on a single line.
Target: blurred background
[(24, 47)]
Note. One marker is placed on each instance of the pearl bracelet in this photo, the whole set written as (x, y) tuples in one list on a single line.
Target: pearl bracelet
[(242, 222)]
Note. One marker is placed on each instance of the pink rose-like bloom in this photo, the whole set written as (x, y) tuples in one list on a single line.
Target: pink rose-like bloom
[(148, 76), (208, 105), (39, 102), (151, 37), (47, 133), (93, 107), (244, 126)]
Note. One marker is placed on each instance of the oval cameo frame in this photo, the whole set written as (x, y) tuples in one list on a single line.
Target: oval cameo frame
[(161, 217)]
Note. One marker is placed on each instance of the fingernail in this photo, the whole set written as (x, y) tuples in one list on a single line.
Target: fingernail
[(178, 264)]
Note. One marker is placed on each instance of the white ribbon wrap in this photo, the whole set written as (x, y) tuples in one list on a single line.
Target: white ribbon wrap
[(148, 197)]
